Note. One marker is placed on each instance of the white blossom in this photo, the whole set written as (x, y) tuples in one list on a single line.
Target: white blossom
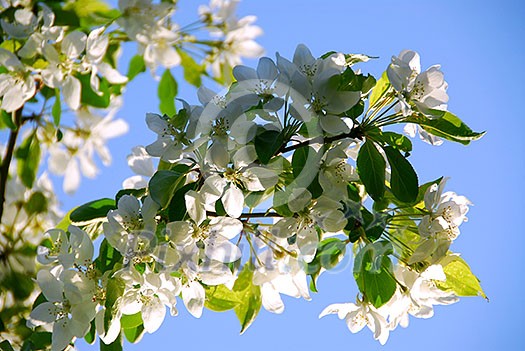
[(359, 315), (17, 85)]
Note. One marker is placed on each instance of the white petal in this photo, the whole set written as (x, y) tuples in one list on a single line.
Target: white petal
[(9, 60), (299, 198), (71, 90), (226, 227), (110, 335), (307, 240), (193, 296), (195, 206), (213, 188), (244, 73), (13, 99), (96, 45), (271, 299), (222, 251), (266, 69), (233, 201), (74, 44), (112, 75), (333, 124), (43, 314), (51, 286), (218, 155), (156, 123), (153, 314), (135, 182), (61, 336)]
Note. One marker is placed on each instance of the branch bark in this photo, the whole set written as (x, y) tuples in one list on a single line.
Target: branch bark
[(249, 215), (6, 161), (355, 133)]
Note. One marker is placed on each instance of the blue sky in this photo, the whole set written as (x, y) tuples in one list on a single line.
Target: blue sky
[(481, 49)]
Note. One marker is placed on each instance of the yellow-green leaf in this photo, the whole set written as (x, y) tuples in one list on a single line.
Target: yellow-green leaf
[(249, 296), (167, 91), (219, 298), (380, 89), (460, 278)]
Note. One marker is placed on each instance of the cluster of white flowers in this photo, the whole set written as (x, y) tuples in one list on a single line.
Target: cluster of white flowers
[(272, 168), (417, 292), (425, 92), (57, 57), (60, 60), (73, 156), (28, 212), (236, 37)]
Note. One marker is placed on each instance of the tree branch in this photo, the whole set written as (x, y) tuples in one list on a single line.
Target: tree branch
[(6, 161), (249, 215), (355, 133)]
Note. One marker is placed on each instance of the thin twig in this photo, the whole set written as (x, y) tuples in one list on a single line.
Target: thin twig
[(354, 133), (248, 215)]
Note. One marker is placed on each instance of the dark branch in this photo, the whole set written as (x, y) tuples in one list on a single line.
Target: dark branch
[(249, 215), (355, 133), (6, 161)]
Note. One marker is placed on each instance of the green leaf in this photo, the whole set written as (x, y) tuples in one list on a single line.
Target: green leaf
[(180, 119), (403, 180), (6, 120), (39, 300), (380, 89), (249, 295), (357, 110), (267, 144), (373, 273), (133, 335), (114, 289), (329, 253), (41, 340), (448, 126), (114, 346), (244, 298), (374, 224), (65, 222), (90, 337), (107, 258), (91, 13), (92, 210), (307, 177), (6, 346), (280, 203), (28, 155), (219, 298), (177, 207), (56, 111), (167, 91), (371, 168), (128, 321), (136, 66), (89, 97), (36, 204), (192, 70), (397, 141), (163, 185), (460, 278), (363, 223), (423, 189), (11, 45)]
